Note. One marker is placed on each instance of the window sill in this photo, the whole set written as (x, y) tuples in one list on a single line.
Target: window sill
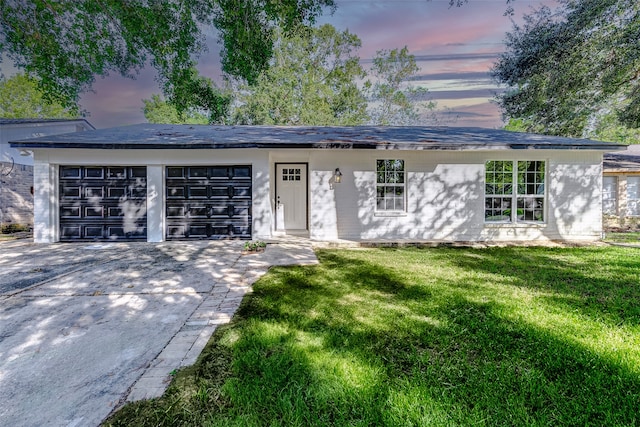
[(515, 224), (390, 214)]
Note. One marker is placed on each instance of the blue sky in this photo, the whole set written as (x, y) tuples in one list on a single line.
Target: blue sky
[(454, 47)]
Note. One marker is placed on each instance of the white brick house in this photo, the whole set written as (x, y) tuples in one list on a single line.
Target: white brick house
[(163, 182)]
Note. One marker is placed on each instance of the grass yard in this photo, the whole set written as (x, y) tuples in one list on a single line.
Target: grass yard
[(423, 337), (623, 237)]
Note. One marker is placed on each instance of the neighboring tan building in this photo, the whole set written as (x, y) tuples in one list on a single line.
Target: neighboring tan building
[(621, 189), (16, 166), (365, 183)]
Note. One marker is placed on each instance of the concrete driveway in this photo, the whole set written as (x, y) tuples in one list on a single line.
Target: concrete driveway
[(86, 326)]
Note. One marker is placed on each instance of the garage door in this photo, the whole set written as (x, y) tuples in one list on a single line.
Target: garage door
[(208, 202), (103, 203)]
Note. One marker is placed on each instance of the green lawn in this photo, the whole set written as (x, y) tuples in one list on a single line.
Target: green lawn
[(623, 237), (423, 337)]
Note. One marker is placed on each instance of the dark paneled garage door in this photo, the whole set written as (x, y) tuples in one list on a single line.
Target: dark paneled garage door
[(99, 202), (208, 202)]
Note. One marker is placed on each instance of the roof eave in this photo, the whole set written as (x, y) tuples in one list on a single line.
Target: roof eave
[(40, 144)]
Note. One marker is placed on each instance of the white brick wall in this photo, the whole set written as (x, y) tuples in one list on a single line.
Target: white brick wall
[(445, 196), (445, 191)]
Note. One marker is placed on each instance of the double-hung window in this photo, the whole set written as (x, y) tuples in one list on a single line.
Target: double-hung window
[(610, 195), (515, 191), (390, 186), (633, 195)]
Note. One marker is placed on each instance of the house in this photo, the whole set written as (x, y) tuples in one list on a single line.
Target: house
[(621, 189), (166, 182), (16, 167)]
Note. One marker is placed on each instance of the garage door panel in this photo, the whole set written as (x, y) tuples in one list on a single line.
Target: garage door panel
[(175, 172), (70, 212), (94, 211), (176, 211), (199, 212), (94, 231), (208, 202), (107, 202), (242, 191), (138, 192), (176, 231), (94, 173), (115, 211), (72, 192), (116, 173), (116, 192), (197, 172), (70, 232), (199, 231), (138, 172), (93, 192), (219, 192), (197, 192), (70, 172), (176, 192), (242, 172)]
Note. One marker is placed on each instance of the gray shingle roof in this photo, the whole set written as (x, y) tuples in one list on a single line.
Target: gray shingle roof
[(156, 136), (621, 163), (5, 121)]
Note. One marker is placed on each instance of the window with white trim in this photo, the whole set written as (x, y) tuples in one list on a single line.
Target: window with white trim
[(390, 185), (610, 195), (633, 195), (515, 191)]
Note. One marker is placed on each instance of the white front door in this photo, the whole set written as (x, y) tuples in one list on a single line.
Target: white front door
[(291, 196)]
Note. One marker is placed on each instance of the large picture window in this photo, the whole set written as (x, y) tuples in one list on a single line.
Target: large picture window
[(515, 184), (390, 185)]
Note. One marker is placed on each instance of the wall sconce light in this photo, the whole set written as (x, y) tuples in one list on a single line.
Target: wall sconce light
[(337, 176)]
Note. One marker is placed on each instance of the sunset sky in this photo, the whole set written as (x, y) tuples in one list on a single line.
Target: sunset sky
[(454, 47)]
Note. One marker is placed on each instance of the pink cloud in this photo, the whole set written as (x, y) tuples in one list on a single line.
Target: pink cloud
[(117, 101)]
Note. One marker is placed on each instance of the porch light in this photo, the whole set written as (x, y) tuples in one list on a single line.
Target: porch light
[(337, 176)]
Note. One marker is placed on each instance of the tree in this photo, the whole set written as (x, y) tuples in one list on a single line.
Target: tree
[(574, 71), (157, 110), (200, 94), (20, 98), (311, 80), (65, 44), (249, 29), (394, 101)]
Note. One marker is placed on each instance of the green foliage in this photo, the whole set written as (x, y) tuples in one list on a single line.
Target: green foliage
[(248, 31), (254, 246), (198, 93), (394, 100), (198, 101), (13, 228), (20, 98), (610, 128), (157, 110), (64, 45), (518, 125), (311, 80), (422, 337), (568, 68), (623, 237)]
